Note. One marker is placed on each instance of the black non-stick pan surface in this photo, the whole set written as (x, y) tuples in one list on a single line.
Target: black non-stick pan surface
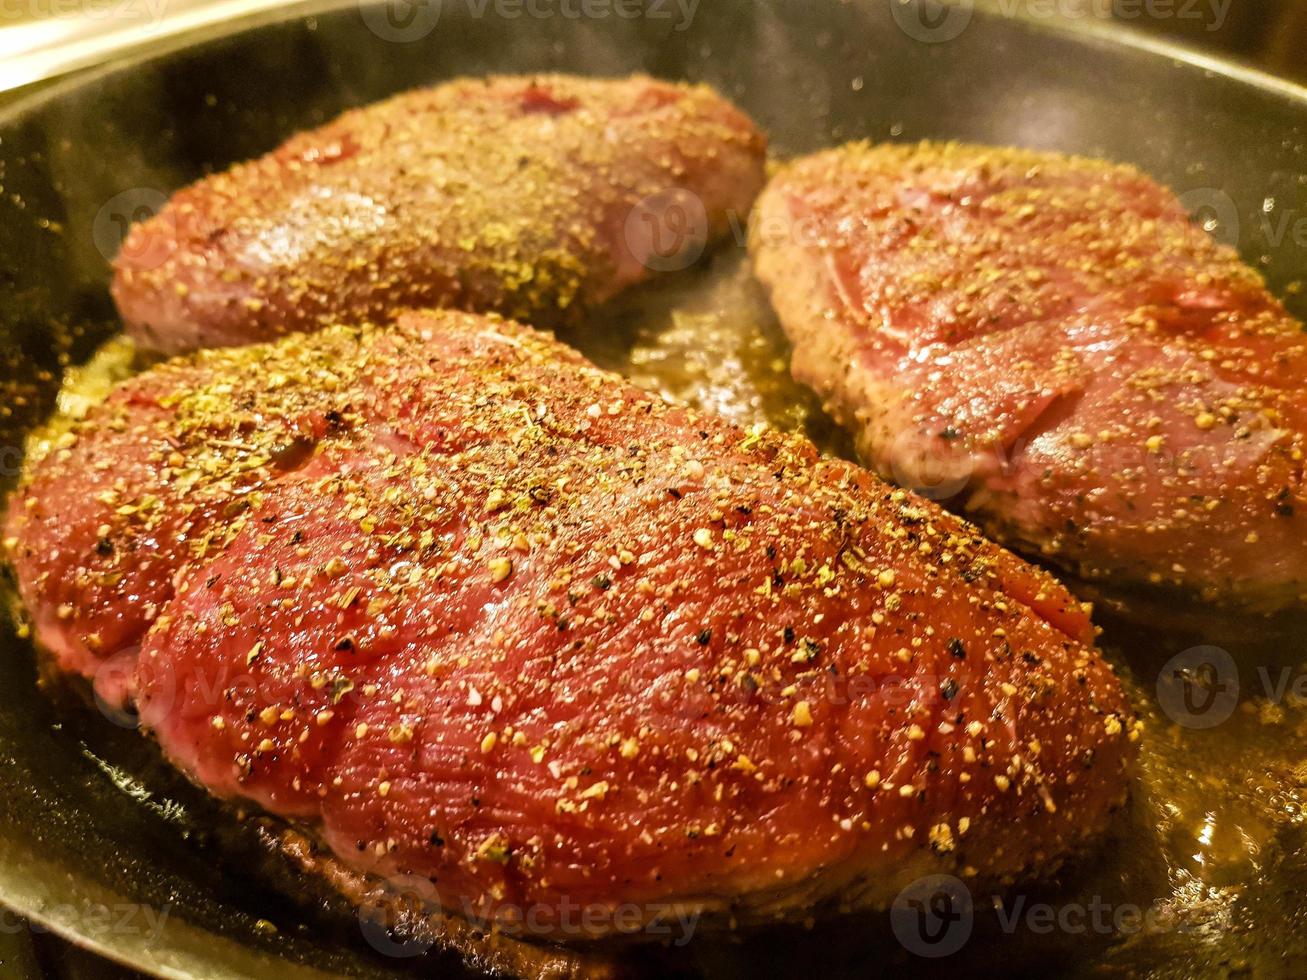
[(1205, 874)]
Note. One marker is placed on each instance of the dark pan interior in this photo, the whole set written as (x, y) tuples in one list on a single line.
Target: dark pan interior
[(87, 815)]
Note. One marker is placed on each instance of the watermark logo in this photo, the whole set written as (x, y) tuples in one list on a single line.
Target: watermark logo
[(405, 21), (667, 231), (933, 917), (934, 467), (1214, 211), (1199, 687), (938, 21), (401, 21), (114, 683), (407, 892), (147, 12), (11, 460), (115, 219), (1098, 917), (932, 21), (402, 917), (118, 919)]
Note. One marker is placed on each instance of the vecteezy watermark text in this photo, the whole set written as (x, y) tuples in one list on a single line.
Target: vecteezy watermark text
[(134, 11), (402, 897), (1199, 687), (938, 21), (120, 919), (411, 20), (934, 916)]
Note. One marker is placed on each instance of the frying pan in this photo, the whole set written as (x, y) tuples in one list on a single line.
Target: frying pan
[(100, 842)]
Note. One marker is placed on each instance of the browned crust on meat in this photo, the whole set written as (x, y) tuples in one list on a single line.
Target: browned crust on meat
[(412, 919)]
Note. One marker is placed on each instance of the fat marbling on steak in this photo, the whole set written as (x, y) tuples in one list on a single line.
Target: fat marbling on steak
[(1050, 341), (530, 196), (479, 612)]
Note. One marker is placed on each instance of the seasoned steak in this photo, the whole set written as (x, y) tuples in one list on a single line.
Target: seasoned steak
[(1048, 343), (531, 196), (480, 613)]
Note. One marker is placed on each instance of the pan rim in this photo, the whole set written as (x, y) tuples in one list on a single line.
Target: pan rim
[(1107, 34), (1121, 35), (185, 963)]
